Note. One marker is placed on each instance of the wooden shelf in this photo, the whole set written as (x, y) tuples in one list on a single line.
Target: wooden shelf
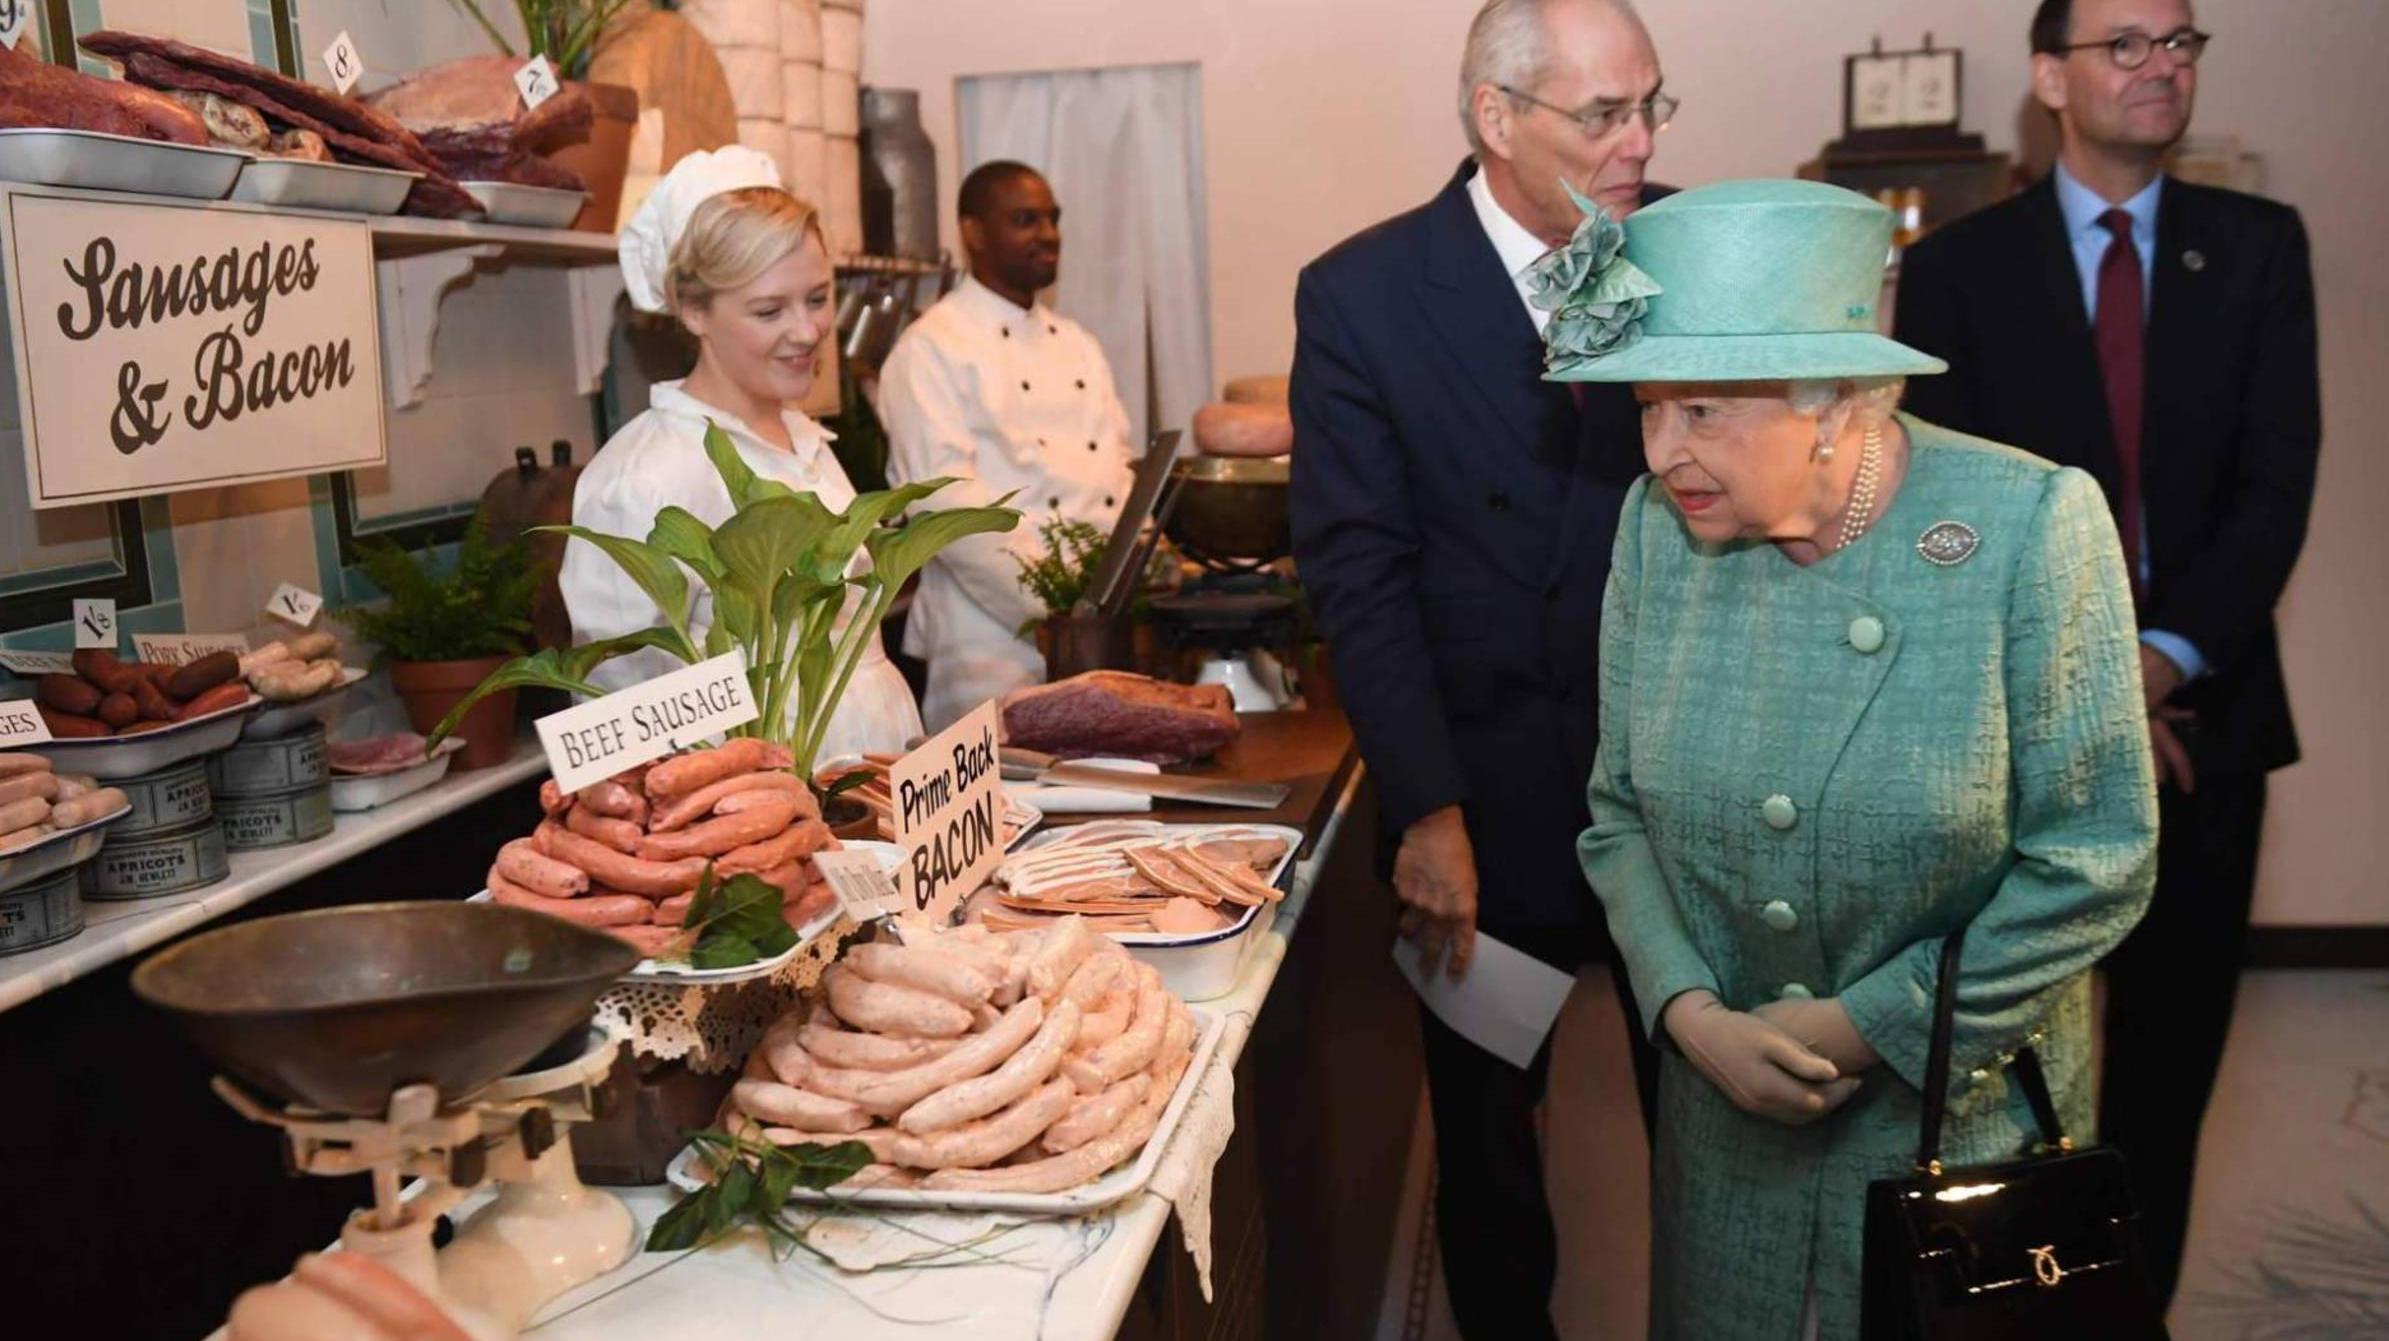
[(405, 235)]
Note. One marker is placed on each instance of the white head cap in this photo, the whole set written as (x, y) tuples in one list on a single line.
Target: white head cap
[(648, 238)]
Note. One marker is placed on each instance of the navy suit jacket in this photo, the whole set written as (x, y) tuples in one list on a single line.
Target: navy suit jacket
[(1453, 515)]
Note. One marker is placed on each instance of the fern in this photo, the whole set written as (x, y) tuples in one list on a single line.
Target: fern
[(481, 608)]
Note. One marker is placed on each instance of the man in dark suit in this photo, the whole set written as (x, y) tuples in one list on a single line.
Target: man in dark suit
[(1453, 515), (2161, 336)]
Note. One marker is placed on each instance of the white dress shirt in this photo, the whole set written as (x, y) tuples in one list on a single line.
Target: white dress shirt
[(1517, 248), (1005, 399), (657, 461)]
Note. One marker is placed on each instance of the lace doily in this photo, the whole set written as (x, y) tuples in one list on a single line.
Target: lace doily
[(714, 1025), (1183, 1178)]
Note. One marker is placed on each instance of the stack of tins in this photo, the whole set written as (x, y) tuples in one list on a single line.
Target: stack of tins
[(275, 792), (39, 906), (172, 841), (841, 123), (746, 36)]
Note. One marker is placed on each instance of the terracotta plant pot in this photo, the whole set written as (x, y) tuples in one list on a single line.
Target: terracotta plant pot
[(603, 159), (431, 688), (849, 818)]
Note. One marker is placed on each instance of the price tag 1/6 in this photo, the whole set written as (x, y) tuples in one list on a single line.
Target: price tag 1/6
[(15, 17), (340, 60), (537, 80), (181, 649), (20, 724), (95, 625), (295, 605), (865, 889), (38, 663)]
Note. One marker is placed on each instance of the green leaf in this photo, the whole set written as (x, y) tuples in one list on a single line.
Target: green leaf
[(767, 539), (737, 921), (896, 555), (848, 782), (653, 569), (836, 550), (733, 1192), (681, 1227), (700, 904), (745, 486), (720, 950), (565, 668), (679, 533), (821, 1167)]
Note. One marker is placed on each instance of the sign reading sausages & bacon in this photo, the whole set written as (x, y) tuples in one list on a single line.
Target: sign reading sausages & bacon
[(162, 347), (948, 799)]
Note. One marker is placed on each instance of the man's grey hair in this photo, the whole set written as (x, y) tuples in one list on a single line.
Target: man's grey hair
[(1508, 45)]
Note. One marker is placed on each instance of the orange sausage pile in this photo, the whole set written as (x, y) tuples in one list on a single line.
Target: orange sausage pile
[(624, 855), (106, 696), (972, 1060)]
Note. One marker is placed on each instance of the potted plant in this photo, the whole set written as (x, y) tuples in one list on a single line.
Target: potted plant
[(442, 634), (1059, 579), (778, 573), (568, 33)]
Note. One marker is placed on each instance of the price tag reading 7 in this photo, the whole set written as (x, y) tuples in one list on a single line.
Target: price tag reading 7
[(537, 80)]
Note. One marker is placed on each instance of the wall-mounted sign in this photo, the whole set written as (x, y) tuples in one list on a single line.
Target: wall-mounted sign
[(163, 347), (949, 802)]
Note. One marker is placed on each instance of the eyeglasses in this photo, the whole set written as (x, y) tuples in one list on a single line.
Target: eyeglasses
[(2130, 51), (1605, 119)]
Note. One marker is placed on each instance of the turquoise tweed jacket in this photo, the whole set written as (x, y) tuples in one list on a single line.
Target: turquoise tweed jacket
[(1807, 778)]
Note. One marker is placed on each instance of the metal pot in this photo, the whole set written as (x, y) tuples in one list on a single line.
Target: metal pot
[(1231, 511)]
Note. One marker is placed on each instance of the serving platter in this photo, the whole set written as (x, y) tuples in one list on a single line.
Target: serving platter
[(97, 161), (111, 757), (67, 847)]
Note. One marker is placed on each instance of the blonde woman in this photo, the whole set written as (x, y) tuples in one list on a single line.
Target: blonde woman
[(741, 264)]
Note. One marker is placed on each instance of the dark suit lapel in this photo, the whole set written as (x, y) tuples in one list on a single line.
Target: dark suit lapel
[(2076, 383), (1468, 301)]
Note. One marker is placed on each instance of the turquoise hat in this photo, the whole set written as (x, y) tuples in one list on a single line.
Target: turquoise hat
[(1764, 280)]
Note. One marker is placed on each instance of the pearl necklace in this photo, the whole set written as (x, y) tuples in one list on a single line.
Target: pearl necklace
[(1861, 512)]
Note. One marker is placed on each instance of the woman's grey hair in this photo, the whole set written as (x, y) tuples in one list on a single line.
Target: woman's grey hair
[(1508, 45), (1869, 397)]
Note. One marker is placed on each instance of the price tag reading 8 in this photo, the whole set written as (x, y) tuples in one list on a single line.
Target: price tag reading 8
[(340, 60), (537, 80), (15, 17)]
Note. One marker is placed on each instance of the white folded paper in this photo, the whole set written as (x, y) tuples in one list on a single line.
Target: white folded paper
[(1505, 1003)]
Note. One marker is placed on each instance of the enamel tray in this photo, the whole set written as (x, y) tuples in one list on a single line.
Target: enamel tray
[(67, 847), (112, 757)]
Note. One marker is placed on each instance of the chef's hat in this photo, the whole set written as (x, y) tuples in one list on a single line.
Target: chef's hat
[(648, 239)]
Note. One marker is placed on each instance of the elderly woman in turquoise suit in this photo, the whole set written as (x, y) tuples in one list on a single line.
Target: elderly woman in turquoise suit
[(1864, 683)]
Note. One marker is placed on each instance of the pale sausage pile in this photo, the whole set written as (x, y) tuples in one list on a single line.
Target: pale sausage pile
[(624, 855), (974, 1060), (36, 802), (286, 672), (1136, 876)]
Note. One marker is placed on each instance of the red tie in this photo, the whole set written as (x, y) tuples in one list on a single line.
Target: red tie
[(2118, 332)]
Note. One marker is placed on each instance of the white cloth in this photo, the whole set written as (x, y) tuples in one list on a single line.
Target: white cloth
[(1005, 400), (648, 238), (1517, 248), (657, 461)]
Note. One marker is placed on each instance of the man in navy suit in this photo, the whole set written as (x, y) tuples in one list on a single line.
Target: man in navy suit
[(1452, 523), (2161, 336)]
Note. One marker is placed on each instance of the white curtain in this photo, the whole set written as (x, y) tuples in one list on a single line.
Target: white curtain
[(1124, 151)]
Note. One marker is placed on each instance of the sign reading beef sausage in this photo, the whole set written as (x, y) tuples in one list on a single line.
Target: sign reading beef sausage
[(163, 347), (595, 740), (949, 804)]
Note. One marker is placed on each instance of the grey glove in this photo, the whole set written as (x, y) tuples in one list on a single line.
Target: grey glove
[(1757, 1066)]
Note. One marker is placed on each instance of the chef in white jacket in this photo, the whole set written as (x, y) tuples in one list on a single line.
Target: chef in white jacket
[(996, 389), (741, 263)]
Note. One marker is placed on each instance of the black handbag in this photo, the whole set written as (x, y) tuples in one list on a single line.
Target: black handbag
[(2043, 1248)]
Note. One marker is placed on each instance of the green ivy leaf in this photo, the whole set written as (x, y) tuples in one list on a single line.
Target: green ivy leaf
[(682, 1227)]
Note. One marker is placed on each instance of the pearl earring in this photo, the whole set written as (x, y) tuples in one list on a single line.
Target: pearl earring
[(1824, 450)]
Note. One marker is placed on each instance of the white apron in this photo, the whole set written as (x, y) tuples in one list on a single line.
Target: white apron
[(1006, 400), (657, 461)]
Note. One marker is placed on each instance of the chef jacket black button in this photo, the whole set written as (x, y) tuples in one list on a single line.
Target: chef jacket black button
[(1053, 502), (1082, 383), (1024, 386), (1041, 442), (1090, 446), (1006, 331), (1498, 502), (1107, 501), (1053, 330)]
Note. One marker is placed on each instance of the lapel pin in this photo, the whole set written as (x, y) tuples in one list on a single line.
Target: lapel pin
[(2194, 260), (1948, 543)]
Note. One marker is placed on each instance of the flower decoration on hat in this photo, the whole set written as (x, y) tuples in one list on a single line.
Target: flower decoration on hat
[(1596, 297)]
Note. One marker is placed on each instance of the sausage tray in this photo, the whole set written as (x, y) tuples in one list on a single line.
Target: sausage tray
[(1118, 1185), (299, 184), (280, 719), (111, 757), (67, 847), (96, 161), (527, 206)]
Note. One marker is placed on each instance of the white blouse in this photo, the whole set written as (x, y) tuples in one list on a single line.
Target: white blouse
[(657, 461)]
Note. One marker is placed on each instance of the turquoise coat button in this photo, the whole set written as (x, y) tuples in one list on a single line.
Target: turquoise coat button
[(1779, 812), (1866, 634), (1779, 916), (1797, 991)]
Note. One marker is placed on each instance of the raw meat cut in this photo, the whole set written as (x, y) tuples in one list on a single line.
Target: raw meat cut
[(1114, 713), (35, 93), (471, 119)]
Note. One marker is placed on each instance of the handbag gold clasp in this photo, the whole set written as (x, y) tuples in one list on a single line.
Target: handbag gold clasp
[(2044, 1265)]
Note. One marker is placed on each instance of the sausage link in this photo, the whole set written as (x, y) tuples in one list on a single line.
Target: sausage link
[(552, 801), (883, 1008), (716, 837), (614, 800), (652, 941), (787, 1106), (869, 1052), (105, 669), (67, 726), (618, 834), (925, 968), (1022, 1072), (119, 710), (616, 911), (1095, 1114), (96, 804), (799, 840), (230, 694), (685, 810), (32, 810), (888, 1093), (522, 862), (687, 772), (68, 693), (152, 700), (13, 765), (43, 785), (655, 879), (202, 674), (978, 1144)]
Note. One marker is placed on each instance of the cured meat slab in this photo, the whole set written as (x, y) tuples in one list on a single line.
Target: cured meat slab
[(1120, 715)]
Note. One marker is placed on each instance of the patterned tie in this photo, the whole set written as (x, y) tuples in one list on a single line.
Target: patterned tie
[(2121, 340)]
